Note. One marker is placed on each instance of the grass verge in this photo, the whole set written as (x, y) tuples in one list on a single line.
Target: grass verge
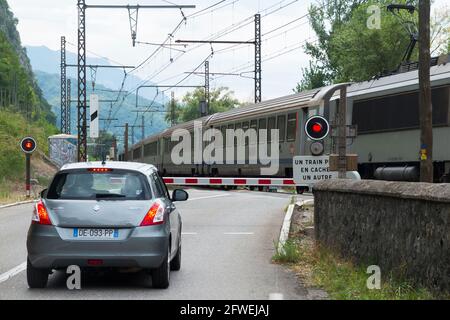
[(319, 267)]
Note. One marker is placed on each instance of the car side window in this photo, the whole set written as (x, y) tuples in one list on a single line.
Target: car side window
[(163, 186), (157, 187)]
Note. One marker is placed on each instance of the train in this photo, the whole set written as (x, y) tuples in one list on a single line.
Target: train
[(383, 111)]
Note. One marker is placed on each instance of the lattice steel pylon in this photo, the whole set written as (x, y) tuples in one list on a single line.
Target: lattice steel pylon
[(82, 101), (63, 86), (68, 113), (258, 55), (207, 94), (133, 13)]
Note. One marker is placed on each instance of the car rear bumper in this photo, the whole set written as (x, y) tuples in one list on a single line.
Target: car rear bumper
[(143, 247)]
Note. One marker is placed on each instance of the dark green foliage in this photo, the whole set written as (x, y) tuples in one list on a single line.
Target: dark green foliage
[(20, 91), (346, 49), (23, 110), (221, 100)]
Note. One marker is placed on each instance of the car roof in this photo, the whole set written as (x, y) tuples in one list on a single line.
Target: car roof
[(133, 166)]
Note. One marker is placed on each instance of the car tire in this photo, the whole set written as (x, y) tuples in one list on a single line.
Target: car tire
[(175, 264), (36, 278), (161, 275)]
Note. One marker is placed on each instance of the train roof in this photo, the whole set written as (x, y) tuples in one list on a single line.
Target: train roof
[(387, 85), (402, 82), (63, 136)]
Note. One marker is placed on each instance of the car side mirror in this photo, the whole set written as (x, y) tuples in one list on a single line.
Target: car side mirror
[(43, 193), (180, 195)]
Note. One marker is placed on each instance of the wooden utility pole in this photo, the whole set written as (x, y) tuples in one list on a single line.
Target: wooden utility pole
[(342, 133), (426, 116)]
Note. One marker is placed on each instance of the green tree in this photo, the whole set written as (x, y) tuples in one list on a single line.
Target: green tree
[(221, 99), (346, 49), (173, 112), (325, 17), (314, 76), (103, 144), (360, 53)]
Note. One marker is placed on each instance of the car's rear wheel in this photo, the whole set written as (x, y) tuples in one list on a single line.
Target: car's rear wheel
[(175, 264), (36, 278), (161, 275)]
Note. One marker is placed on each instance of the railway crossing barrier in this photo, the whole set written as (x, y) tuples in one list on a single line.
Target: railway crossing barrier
[(213, 181)]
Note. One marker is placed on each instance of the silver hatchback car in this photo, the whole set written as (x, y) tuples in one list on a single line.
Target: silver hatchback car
[(96, 215)]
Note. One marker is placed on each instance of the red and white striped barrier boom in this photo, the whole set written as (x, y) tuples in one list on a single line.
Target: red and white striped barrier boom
[(276, 182)]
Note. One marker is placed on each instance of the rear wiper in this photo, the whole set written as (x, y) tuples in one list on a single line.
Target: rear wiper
[(109, 195)]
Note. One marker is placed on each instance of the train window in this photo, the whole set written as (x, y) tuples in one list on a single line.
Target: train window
[(237, 127), (398, 112), (271, 123), (245, 127), (291, 126), (137, 153), (151, 149), (262, 124), (281, 125), (167, 145), (223, 129)]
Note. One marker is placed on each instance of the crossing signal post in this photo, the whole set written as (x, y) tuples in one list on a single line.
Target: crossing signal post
[(28, 146), (317, 129)]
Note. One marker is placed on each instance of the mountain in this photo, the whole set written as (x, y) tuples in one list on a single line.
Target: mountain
[(18, 87), (154, 122), (24, 110), (47, 60)]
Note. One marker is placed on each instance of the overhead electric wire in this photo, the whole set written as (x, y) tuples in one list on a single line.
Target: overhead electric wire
[(228, 30)]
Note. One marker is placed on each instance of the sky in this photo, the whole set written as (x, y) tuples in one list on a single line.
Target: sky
[(43, 22)]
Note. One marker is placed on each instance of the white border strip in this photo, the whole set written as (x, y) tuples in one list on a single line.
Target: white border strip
[(11, 273), (16, 204), (284, 234)]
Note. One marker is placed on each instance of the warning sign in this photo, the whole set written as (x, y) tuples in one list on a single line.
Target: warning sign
[(309, 170)]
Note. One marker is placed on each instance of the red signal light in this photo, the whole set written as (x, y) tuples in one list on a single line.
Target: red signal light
[(28, 145), (317, 127)]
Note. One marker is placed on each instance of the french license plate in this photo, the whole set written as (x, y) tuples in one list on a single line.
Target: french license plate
[(99, 234)]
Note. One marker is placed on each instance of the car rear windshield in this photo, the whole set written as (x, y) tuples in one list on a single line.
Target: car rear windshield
[(104, 185)]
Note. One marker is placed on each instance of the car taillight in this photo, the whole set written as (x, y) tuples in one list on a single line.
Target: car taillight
[(154, 216), (40, 214)]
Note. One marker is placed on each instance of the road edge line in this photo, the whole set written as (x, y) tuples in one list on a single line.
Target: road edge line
[(13, 272), (16, 204), (284, 234)]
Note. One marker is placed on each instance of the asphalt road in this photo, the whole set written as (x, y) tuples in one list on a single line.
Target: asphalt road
[(228, 242)]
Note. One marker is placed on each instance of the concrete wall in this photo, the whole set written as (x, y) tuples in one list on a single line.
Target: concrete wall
[(401, 227)]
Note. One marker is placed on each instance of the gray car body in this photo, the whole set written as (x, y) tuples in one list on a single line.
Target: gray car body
[(54, 247)]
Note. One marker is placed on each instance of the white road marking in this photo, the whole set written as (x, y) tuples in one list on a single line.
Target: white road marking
[(14, 271), (276, 296), (189, 233), (210, 197), (284, 234), (239, 233)]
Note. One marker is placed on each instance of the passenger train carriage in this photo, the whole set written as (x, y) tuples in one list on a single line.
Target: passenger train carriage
[(385, 112)]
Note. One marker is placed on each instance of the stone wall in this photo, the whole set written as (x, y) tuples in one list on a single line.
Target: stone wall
[(402, 227)]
